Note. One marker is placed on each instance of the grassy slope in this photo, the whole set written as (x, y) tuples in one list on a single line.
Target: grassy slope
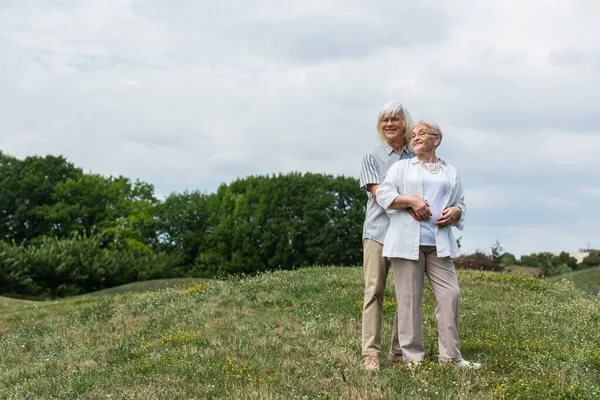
[(295, 335), (145, 286), (584, 279)]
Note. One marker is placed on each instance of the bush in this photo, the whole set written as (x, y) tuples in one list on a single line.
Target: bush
[(478, 261), (66, 267), (508, 259), (14, 271)]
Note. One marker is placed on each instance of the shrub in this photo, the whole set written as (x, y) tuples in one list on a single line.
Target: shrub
[(15, 274), (478, 261), (79, 264), (508, 259)]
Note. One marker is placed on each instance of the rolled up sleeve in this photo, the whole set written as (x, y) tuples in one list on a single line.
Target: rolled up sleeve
[(460, 202), (369, 173)]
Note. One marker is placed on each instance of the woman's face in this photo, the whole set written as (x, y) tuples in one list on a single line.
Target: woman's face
[(423, 139), (393, 127)]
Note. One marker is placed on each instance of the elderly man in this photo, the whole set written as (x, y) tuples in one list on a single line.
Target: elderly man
[(393, 127)]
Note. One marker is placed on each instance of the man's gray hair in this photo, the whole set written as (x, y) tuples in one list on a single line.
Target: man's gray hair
[(393, 108)]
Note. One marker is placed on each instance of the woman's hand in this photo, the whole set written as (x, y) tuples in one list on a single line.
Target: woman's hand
[(419, 209), (449, 216)]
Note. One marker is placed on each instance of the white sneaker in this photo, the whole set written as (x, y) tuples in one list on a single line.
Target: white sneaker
[(413, 365), (467, 364)]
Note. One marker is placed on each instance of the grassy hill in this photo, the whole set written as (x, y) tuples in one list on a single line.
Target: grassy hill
[(295, 335), (587, 279), (146, 286)]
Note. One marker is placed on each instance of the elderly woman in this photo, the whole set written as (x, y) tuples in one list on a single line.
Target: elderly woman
[(424, 198)]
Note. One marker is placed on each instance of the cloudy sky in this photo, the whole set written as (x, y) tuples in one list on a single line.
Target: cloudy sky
[(189, 94)]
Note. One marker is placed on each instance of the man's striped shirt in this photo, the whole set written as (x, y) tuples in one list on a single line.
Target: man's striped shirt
[(375, 165)]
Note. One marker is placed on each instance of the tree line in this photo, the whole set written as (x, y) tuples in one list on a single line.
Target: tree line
[(65, 232), (548, 264)]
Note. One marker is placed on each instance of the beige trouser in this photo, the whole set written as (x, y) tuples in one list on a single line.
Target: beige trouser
[(375, 269), (408, 281)]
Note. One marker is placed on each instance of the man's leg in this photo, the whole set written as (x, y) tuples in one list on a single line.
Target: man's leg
[(375, 274)]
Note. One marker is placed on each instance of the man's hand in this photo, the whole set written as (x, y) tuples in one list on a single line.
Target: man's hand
[(419, 210), (373, 189), (449, 216)]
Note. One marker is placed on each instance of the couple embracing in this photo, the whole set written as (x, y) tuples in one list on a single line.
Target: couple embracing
[(414, 198)]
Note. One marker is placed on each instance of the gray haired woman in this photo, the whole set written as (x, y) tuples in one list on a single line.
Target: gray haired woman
[(431, 189)]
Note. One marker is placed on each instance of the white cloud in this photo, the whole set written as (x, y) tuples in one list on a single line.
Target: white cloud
[(499, 197), (589, 192)]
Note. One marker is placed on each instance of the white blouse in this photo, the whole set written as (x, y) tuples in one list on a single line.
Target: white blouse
[(402, 240), (435, 187)]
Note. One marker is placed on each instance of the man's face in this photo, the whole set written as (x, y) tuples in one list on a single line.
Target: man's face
[(393, 127)]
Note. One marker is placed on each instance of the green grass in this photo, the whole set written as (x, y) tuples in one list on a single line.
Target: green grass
[(587, 279), (145, 286), (518, 269), (295, 335)]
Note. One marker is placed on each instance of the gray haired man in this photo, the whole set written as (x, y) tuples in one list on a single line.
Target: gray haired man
[(393, 127)]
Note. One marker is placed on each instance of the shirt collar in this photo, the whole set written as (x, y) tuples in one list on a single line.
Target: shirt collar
[(415, 160), (389, 149)]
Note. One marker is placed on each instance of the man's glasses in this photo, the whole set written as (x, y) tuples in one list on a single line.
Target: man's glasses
[(392, 119)]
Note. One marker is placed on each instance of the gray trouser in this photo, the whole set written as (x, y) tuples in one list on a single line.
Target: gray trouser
[(375, 269), (408, 281)]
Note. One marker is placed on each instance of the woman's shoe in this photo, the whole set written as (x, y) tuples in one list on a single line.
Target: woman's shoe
[(466, 364)]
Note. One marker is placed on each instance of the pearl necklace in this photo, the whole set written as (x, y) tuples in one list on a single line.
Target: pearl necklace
[(435, 169)]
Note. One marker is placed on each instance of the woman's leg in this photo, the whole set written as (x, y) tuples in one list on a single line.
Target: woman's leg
[(442, 276), (408, 284)]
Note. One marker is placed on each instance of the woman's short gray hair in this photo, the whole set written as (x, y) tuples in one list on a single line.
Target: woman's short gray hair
[(431, 125), (393, 108)]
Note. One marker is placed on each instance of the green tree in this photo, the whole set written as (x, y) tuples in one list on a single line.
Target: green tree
[(183, 224), (496, 249), (567, 260), (26, 189), (84, 204), (123, 210), (591, 260), (548, 263), (508, 259), (283, 222)]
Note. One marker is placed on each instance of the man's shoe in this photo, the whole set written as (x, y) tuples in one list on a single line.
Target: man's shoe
[(372, 363), (466, 364), (396, 358)]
